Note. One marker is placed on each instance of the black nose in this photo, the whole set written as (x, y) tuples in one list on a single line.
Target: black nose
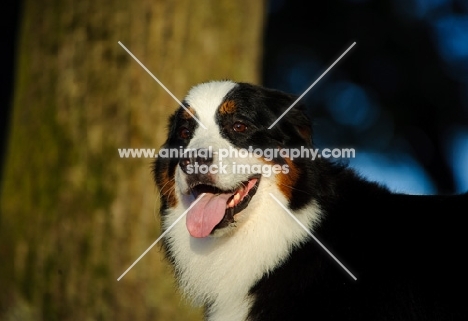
[(195, 158)]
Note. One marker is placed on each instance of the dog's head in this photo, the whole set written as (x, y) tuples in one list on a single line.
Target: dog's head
[(215, 158)]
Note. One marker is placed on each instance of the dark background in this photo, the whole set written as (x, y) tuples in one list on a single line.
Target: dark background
[(399, 97)]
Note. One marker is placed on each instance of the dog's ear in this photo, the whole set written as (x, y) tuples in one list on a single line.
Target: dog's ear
[(298, 118)]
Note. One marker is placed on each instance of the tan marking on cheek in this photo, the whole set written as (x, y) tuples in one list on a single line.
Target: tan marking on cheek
[(228, 107), (185, 113), (166, 185), (286, 181)]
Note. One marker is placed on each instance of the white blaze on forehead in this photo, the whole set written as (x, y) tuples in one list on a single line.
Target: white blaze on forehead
[(206, 98)]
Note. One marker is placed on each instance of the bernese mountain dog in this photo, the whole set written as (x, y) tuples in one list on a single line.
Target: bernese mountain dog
[(250, 246)]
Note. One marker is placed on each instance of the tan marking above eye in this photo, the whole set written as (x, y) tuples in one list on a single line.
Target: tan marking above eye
[(187, 113), (228, 107)]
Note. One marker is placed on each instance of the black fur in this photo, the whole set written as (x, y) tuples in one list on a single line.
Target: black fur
[(407, 252)]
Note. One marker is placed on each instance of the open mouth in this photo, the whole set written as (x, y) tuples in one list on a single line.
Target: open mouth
[(216, 209)]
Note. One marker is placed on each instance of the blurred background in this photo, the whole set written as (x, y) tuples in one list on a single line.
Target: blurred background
[(399, 97), (74, 216)]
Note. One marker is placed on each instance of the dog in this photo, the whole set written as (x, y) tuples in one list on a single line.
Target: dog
[(296, 239)]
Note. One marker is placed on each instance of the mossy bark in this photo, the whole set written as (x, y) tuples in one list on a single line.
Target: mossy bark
[(74, 215)]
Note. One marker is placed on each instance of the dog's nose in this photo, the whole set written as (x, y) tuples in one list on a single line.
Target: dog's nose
[(195, 158)]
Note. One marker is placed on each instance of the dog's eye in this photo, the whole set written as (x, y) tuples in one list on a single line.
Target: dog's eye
[(184, 133), (239, 127)]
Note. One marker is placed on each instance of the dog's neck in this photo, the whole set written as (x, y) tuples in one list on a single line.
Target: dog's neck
[(218, 272)]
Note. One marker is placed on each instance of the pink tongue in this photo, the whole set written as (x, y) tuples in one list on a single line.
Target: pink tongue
[(206, 214)]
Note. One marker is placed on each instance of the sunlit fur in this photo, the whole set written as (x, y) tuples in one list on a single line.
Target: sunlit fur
[(265, 266)]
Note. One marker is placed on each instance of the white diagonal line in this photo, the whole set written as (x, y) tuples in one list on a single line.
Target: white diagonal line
[(161, 236), (161, 84), (310, 87), (316, 240)]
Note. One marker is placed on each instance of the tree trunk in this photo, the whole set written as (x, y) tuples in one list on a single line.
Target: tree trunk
[(74, 215)]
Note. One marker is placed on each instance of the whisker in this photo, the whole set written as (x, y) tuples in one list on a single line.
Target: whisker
[(295, 188)]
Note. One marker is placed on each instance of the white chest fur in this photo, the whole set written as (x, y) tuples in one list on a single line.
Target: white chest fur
[(220, 270)]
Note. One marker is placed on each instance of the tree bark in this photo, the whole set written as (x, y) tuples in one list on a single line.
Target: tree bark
[(74, 215)]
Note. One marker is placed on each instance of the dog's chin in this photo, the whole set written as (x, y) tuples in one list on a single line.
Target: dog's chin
[(217, 210)]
